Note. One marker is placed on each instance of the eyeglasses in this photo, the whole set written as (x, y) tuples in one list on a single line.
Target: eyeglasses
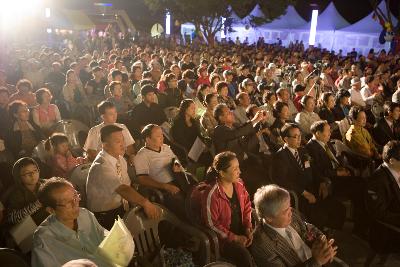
[(295, 136), (72, 203), (30, 174)]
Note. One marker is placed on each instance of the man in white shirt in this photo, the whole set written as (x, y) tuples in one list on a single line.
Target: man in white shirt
[(108, 186), (355, 93), (366, 92), (156, 166), (108, 114)]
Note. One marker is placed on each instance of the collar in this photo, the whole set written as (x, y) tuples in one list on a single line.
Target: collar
[(281, 231), (110, 158), (390, 123), (292, 150), (16, 127), (63, 231), (319, 142), (395, 174)]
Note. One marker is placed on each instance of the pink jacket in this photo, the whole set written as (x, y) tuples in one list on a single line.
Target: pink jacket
[(62, 165), (216, 211)]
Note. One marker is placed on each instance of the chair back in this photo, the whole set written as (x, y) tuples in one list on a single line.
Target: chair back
[(344, 126), (193, 203), (78, 177), (144, 230), (75, 130), (11, 257)]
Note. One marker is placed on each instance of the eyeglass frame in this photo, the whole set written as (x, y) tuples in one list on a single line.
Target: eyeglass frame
[(71, 203)]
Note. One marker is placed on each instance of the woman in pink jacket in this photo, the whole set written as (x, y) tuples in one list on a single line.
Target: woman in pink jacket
[(226, 209)]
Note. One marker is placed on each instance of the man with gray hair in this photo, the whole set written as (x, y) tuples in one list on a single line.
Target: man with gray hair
[(281, 237)]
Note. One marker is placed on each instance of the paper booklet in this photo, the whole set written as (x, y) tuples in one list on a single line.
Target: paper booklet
[(118, 246), (196, 150)]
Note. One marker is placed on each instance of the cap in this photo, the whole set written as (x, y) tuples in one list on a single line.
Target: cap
[(271, 65)]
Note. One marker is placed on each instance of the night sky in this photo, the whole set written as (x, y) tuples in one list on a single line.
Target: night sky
[(351, 10)]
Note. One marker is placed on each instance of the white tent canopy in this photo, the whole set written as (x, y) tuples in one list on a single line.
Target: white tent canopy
[(328, 20), (290, 20), (362, 35)]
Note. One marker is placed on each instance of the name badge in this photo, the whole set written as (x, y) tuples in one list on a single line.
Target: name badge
[(306, 164)]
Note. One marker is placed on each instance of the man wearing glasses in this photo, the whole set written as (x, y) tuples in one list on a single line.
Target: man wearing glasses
[(292, 170), (69, 232)]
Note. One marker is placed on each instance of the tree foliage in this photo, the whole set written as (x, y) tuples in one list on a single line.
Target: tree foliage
[(207, 15)]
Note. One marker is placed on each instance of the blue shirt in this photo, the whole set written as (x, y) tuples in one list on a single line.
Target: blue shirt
[(54, 244)]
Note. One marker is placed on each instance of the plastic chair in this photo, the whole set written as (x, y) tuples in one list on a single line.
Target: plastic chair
[(146, 237), (11, 257), (78, 177)]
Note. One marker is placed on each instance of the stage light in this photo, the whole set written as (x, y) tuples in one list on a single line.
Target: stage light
[(14, 13), (168, 23), (47, 12), (48, 30), (223, 28), (313, 28)]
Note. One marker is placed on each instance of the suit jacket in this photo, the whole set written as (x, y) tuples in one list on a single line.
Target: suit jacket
[(287, 173), (269, 248), (382, 132), (321, 164), (384, 196), (238, 140)]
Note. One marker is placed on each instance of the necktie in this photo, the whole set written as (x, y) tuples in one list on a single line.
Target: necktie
[(330, 155), (296, 155), (118, 166)]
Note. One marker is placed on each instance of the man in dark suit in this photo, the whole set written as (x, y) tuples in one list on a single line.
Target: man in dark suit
[(292, 170), (327, 169), (388, 127), (383, 201)]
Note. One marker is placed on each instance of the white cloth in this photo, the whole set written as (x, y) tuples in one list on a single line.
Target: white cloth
[(367, 95), (305, 119), (93, 141), (356, 97), (155, 164), (103, 180)]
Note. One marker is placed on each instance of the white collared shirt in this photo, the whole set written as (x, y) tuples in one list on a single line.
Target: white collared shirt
[(395, 174), (103, 180), (292, 150), (93, 140)]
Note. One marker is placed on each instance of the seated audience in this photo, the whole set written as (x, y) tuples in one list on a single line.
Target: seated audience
[(24, 93), (22, 198), (388, 127), (223, 95), (157, 166), (357, 137), (45, 115), (269, 100), (207, 120), (226, 209), (62, 162), (284, 96), (23, 137), (335, 177), (383, 199), (108, 114), (173, 95), (281, 114), (120, 102), (108, 185), (202, 91), (307, 116), (341, 109), (70, 232), (282, 237), (292, 170), (243, 102)]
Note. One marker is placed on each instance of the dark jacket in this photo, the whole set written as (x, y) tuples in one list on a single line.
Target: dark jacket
[(183, 134), (321, 164), (382, 132), (326, 114), (239, 140), (383, 199), (287, 173), (142, 115), (14, 140), (270, 249), (170, 98)]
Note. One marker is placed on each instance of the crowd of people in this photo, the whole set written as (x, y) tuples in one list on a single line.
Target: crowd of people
[(290, 131)]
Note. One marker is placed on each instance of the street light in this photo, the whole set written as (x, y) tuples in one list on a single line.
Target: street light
[(313, 28)]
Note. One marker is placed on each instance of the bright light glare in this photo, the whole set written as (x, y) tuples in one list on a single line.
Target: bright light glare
[(14, 13), (313, 28), (168, 24), (223, 28), (48, 30), (47, 12)]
